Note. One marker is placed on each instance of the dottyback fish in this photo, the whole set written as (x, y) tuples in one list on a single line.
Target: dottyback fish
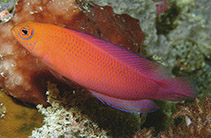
[(116, 76)]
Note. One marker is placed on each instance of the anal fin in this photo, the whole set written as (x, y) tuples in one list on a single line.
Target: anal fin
[(132, 106)]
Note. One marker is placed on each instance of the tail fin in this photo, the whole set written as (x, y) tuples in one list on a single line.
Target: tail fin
[(176, 89)]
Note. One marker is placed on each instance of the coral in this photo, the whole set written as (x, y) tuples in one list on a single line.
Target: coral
[(6, 10), (4, 16), (197, 122), (69, 116), (23, 76), (17, 120), (144, 133), (197, 119), (7, 5), (63, 122)]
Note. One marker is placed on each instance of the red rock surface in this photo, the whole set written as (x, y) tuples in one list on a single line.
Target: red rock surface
[(23, 76)]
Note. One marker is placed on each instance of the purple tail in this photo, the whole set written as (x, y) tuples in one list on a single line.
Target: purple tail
[(176, 89)]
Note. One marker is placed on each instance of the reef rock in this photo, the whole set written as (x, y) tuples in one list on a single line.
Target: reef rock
[(23, 76)]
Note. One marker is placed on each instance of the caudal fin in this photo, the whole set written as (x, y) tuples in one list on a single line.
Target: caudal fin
[(176, 89)]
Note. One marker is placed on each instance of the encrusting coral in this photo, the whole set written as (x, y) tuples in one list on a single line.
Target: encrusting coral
[(196, 122)]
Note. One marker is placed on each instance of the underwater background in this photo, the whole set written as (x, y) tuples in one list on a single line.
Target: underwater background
[(177, 37)]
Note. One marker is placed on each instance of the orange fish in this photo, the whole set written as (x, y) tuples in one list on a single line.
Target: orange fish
[(113, 74)]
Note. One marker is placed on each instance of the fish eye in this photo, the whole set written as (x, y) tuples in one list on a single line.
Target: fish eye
[(26, 33)]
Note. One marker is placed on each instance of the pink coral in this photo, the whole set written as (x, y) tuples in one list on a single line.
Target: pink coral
[(23, 76)]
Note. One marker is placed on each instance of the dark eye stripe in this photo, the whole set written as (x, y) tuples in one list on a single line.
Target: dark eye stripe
[(26, 38)]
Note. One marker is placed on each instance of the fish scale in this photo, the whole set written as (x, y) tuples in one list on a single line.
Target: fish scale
[(114, 75)]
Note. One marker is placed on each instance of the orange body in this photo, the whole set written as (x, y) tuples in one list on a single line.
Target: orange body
[(115, 75)]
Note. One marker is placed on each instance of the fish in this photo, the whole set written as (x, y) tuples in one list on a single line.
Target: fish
[(116, 76)]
